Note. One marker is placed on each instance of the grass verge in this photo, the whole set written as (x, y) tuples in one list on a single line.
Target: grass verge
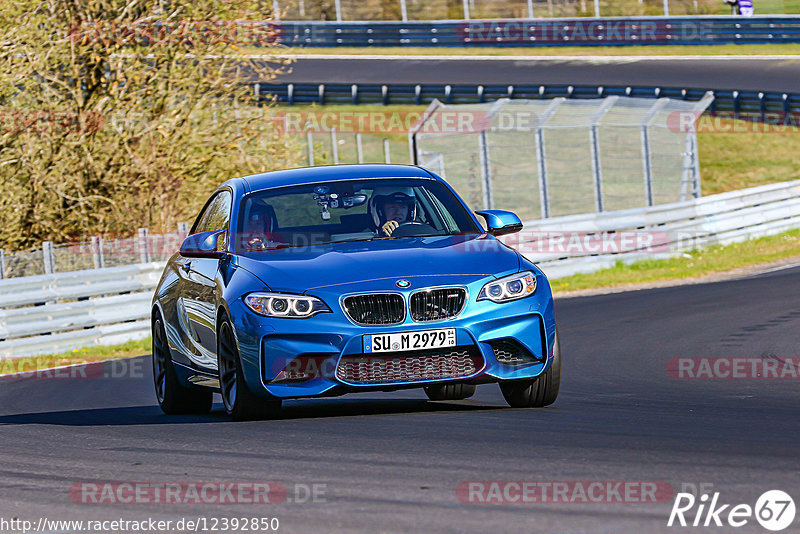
[(651, 50), (77, 356), (694, 264)]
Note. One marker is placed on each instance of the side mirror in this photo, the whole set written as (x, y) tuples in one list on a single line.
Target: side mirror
[(500, 222), (204, 245)]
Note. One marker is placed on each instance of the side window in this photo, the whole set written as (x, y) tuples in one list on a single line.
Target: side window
[(216, 216)]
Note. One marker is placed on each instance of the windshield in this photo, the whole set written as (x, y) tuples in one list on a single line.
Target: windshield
[(353, 210)]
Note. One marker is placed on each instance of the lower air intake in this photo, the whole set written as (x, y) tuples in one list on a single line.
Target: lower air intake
[(458, 362), (509, 352)]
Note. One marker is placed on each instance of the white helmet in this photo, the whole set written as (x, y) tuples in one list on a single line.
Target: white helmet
[(386, 195)]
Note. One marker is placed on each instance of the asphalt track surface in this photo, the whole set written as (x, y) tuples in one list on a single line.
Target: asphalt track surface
[(722, 73), (391, 462)]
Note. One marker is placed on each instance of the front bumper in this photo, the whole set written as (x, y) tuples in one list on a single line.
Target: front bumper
[(269, 346)]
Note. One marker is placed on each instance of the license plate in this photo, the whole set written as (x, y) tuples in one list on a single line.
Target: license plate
[(403, 341)]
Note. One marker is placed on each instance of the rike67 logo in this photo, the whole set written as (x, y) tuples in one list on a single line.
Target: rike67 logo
[(774, 510)]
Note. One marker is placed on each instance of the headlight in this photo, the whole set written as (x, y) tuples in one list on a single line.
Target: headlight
[(285, 305), (512, 287)]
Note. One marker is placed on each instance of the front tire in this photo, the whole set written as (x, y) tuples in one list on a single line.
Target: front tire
[(240, 403), (172, 396), (450, 392), (537, 392)]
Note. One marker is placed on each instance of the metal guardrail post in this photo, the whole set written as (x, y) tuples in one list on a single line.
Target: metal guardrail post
[(466, 9), (310, 143), (48, 258), (666, 8), (354, 93), (486, 171), (403, 11), (2, 264), (144, 245), (530, 9), (597, 8), (387, 157), (334, 147), (97, 252), (290, 94), (338, 4), (276, 12)]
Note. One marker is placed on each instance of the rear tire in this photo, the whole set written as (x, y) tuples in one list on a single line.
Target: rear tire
[(172, 396), (450, 392), (537, 392), (240, 403)]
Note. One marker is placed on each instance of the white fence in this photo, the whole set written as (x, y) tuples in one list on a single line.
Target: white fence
[(59, 312)]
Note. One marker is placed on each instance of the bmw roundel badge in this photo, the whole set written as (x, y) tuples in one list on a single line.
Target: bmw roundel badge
[(402, 284)]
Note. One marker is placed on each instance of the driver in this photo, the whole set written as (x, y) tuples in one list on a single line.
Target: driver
[(391, 207)]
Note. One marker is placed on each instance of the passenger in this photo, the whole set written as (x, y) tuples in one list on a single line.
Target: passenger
[(261, 227)]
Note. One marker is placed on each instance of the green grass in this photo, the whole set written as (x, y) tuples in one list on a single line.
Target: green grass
[(695, 264), (77, 356), (654, 50)]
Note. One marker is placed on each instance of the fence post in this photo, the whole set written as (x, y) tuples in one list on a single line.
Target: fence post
[(338, 10), (97, 252), (403, 11), (2, 264), (334, 147), (530, 9), (359, 148), (486, 171), (597, 8), (276, 12), (48, 258), (183, 228), (666, 8), (647, 163), (310, 142), (302, 7), (541, 155), (387, 158), (540, 158), (466, 9), (144, 245), (597, 167)]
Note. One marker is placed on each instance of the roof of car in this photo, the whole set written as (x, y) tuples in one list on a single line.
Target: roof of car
[(306, 175)]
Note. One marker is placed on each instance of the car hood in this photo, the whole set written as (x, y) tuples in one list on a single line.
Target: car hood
[(366, 263)]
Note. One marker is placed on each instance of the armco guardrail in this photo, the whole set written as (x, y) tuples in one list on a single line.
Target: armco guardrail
[(750, 104), (59, 312), (563, 246), (610, 31)]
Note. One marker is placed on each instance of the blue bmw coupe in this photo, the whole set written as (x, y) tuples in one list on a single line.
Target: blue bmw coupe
[(331, 280)]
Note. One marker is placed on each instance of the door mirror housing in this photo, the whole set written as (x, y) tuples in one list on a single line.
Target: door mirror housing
[(205, 245), (501, 222)]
